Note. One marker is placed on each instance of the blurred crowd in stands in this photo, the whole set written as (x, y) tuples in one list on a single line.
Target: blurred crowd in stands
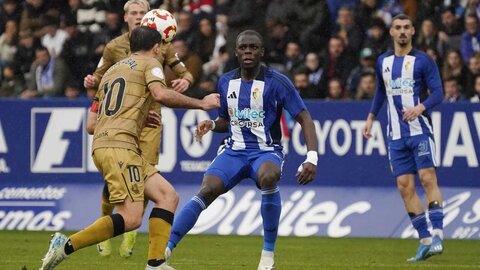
[(327, 47)]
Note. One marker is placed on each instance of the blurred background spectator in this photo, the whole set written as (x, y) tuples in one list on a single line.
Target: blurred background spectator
[(327, 47)]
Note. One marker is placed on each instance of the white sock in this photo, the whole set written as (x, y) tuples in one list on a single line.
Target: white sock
[(438, 232), (267, 254), (426, 241)]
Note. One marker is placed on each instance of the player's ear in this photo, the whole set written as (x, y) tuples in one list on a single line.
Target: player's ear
[(156, 48)]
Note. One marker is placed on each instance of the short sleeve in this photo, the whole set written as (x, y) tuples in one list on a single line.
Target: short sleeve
[(154, 73)]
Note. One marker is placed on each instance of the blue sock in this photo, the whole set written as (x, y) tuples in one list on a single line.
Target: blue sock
[(185, 220), (419, 222), (271, 208), (435, 214)]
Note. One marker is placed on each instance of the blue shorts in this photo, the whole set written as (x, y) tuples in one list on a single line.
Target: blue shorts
[(408, 155), (232, 166)]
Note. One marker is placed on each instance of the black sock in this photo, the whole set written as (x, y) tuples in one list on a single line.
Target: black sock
[(68, 247), (155, 262)]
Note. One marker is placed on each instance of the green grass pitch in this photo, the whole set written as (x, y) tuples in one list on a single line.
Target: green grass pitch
[(23, 250)]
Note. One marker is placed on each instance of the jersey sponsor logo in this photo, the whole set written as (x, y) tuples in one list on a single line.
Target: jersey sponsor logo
[(3, 150), (58, 140), (399, 86), (246, 114), (246, 123), (233, 95)]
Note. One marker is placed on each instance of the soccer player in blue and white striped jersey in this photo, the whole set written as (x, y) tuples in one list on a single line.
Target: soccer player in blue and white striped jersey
[(410, 82), (252, 99)]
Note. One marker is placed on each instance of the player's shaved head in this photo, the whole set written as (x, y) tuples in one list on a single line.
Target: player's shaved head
[(252, 33), (144, 38)]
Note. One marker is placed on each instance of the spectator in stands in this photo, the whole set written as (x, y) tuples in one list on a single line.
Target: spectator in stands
[(9, 10), (34, 17), (203, 41), (77, 51), (476, 97), (26, 52), (367, 63), (112, 29), (351, 33), (49, 76), (278, 34), (89, 17), (199, 6), (339, 63), (470, 41), (312, 22), (336, 91), (453, 67), (452, 90), (315, 70), (473, 8), (304, 87), (73, 89), (473, 70), (435, 56), (366, 86), (428, 38), (185, 26), (293, 57), (217, 65), (245, 14), (365, 12), (450, 28), (12, 83), (54, 37), (377, 37), (192, 62), (8, 43)]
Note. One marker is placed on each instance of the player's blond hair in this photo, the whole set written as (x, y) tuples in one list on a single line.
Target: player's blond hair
[(138, 2)]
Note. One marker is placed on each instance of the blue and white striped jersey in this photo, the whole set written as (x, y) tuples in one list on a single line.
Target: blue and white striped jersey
[(406, 81), (253, 108)]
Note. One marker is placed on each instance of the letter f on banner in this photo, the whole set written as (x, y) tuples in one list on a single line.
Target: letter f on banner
[(53, 146)]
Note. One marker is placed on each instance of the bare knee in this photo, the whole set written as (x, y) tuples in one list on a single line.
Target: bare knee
[(132, 222), (428, 178), (406, 188), (268, 179), (211, 188)]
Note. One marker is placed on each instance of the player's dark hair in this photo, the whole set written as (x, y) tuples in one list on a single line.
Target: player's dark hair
[(402, 17), (250, 32), (144, 38)]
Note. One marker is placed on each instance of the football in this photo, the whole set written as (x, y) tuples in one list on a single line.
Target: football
[(162, 21)]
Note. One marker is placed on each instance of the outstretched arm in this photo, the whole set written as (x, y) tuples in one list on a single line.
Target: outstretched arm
[(174, 99)]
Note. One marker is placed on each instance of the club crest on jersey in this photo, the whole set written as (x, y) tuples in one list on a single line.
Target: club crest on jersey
[(256, 93), (157, 72), (408, 65)]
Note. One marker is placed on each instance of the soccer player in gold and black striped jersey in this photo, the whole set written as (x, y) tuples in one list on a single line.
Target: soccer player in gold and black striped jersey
[(150, 139), (129, 87)]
